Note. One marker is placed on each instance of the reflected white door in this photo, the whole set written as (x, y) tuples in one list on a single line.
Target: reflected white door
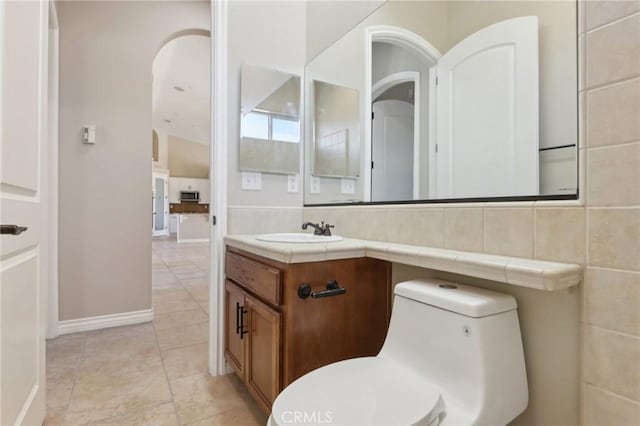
[(23, 156), (487, 113), (392, 151)]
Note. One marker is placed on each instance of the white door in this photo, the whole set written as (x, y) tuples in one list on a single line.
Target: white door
[(160, 205), (392, 151), (487, 113), (23, 156)]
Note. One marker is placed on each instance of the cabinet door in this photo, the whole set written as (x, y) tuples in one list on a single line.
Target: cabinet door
[(235, 342), (263, 371)]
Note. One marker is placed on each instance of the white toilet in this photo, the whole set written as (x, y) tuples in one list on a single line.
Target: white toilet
[(453, 356)]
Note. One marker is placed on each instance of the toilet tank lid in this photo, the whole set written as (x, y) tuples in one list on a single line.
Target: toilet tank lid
[(463, 299)]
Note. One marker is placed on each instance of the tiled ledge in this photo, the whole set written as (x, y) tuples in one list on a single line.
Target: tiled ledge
[(537, 274)]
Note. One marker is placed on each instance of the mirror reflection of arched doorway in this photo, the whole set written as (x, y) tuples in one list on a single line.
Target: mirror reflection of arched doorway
[(408, 82), (395, 137)]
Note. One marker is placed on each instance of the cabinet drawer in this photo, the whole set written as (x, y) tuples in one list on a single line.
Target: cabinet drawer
[(263, 280)]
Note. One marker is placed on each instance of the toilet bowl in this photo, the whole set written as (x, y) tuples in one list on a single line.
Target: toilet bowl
[(453, 356)]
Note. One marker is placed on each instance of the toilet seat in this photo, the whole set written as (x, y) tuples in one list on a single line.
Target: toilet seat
[(360, 391)]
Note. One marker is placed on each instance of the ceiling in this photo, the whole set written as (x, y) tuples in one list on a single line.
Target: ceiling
[(181, 89)]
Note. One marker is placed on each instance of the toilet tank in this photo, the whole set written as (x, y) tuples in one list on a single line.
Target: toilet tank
[(465, 341)]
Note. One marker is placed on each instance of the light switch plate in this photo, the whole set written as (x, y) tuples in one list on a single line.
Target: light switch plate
[(89, 134), (252, 181), (315, 185), (348, 186), (292, 183)]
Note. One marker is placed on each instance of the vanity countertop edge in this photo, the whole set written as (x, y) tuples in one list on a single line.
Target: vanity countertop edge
[(535, 274)]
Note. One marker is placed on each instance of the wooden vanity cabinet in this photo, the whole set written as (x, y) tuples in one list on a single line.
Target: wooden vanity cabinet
[(273, 336), (253, 343)]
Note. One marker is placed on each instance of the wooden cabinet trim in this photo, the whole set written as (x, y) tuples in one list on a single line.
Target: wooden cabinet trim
[(263, 280), (237, 362), (265, 397), (270, 262)]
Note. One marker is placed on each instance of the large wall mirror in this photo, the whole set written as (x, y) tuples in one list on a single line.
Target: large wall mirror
[(269, 121), (456, 100)]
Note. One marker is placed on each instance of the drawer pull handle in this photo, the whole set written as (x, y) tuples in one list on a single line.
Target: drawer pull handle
[(12, 229), (237, 318), (240, 311), (333, 289)]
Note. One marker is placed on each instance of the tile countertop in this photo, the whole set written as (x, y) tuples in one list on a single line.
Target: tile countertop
[(537, 274)]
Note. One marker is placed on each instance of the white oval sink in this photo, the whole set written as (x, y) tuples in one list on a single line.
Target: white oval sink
[(294, 237)]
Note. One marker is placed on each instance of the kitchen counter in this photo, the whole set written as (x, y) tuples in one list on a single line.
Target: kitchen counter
[(537, 274), (193, 228)]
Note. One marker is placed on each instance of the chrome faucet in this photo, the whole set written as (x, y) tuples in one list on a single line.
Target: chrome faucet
[(322, 229)]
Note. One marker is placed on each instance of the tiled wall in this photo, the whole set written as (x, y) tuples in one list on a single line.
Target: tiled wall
[(611, 333), (603, 234)]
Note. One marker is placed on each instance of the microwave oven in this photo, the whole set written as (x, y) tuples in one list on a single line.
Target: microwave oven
[(190, 196)]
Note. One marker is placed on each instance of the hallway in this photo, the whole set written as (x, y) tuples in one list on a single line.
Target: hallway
[(154, 373)]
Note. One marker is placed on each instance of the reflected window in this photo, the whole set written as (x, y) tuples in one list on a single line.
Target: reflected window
[(270, 127), (285, 129), (255, 125)]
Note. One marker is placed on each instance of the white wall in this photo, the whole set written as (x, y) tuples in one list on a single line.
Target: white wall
[(328, 20), (177, 184), (268, 34), (106, 54)]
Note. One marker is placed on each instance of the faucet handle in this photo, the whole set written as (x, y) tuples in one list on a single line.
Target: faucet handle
[(327, 229)]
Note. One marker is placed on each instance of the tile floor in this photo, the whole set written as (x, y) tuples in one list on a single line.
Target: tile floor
[(154, 373)]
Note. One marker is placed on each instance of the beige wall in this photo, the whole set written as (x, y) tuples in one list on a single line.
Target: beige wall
[(106, 53), (603, 235), (187, 158), (163, 150)]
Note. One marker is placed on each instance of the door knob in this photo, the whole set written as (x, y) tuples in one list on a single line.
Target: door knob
[(12, 229)]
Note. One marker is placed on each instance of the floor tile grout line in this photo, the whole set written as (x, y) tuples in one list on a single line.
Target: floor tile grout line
[(183, 347), (166, 375), (76, 372), (127, 413), (157, 341)]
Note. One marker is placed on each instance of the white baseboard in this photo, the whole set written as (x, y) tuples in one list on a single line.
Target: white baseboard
[(105, 321), (194, 240)]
